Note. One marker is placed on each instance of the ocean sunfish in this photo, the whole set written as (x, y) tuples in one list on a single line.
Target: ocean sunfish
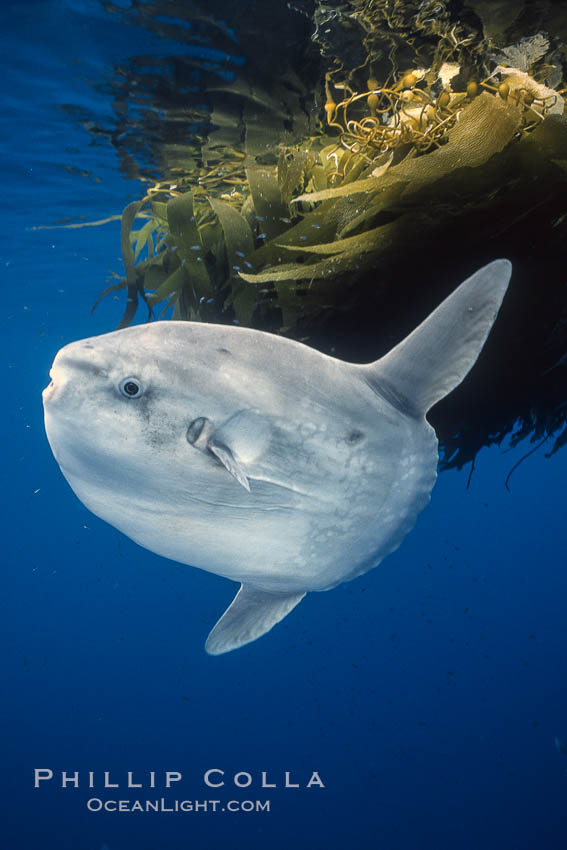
[(256, 457)]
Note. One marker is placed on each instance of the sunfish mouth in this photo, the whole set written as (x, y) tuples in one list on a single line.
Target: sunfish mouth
[(70, 363), (57, 381), (60, 378), (49, 389)]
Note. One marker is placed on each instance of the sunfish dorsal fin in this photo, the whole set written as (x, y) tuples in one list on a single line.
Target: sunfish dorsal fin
[(437, 355), (250, 615)]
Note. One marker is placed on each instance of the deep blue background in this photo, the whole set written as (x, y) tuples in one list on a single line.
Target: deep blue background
[(427, 693)]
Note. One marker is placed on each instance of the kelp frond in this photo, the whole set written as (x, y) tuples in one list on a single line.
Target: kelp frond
[(316, 215)]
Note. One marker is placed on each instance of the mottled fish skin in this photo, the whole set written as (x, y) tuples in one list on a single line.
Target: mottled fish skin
[(256, 457)]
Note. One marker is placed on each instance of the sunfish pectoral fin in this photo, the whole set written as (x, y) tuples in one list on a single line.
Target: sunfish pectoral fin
[(250, 615), (226, 457), (437, 355), (236, 442)]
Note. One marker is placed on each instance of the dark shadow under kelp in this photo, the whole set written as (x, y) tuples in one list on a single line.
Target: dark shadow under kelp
[(338, 197)]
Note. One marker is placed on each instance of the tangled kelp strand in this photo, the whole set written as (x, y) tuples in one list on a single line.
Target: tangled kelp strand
[(485, 128)]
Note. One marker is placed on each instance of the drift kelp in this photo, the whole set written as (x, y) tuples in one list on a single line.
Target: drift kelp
[(336, 196), (269, 245)]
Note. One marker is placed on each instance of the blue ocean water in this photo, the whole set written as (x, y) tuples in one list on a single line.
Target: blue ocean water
[(427, 694)]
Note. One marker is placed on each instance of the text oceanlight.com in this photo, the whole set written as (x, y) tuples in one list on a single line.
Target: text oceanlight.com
[(95, 804)]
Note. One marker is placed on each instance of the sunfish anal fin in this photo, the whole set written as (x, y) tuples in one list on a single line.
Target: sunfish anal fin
[(250, 615), (226, 457)]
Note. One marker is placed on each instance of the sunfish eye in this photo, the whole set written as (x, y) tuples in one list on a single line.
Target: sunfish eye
[(131, 387)]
